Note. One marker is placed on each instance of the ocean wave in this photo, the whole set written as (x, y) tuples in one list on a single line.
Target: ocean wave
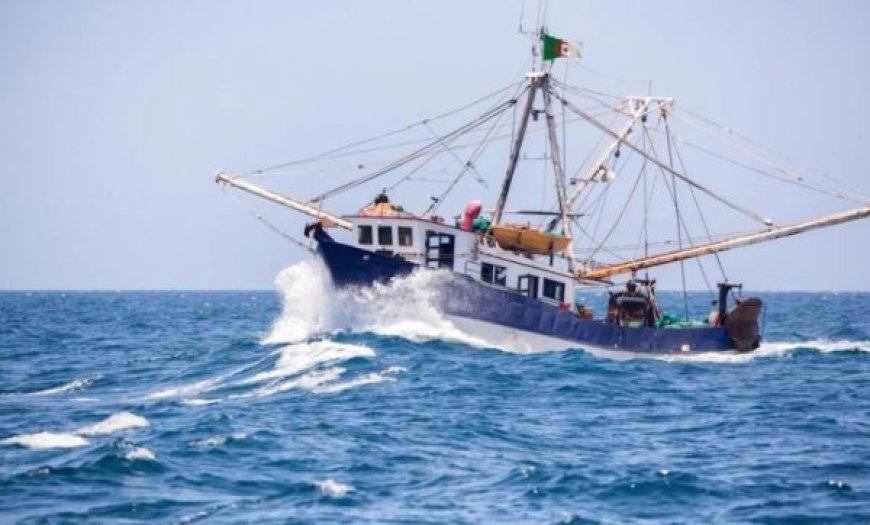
[(773, 349), (140, 453), (44, 440), (333, 488), (199, 387), (367, 379), (309, 381), (114, 423), (298, 358), (218, 441), (198, 402), (820, 345), (74, 385)]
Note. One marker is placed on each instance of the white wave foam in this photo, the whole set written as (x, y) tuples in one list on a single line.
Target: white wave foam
[(298, 358), (218, 441), (44, 440), (77, 384), (206, 385), (306, 292), (140, 453), (309, 381), (187, 390), (774, 349), (197, 402), (820, 345), (333, 488), (114, 423), (367, 379), (404, 307)]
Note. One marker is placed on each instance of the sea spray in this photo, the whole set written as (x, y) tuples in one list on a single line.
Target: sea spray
[(404, 307), (306, 303)]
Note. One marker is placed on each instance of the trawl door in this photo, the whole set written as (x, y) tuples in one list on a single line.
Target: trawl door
[(440, 248)]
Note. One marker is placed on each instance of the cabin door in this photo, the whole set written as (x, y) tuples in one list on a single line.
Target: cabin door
[(528, 284), (440, 250)]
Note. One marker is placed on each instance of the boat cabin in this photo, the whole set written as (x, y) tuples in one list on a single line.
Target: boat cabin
[(437, 245)]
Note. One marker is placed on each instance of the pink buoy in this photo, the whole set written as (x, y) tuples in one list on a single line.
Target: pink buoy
[(472, 210)]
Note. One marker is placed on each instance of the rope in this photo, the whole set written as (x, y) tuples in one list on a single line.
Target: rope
[(416, 154), (268, 224), (786, 176), (679, 218), (673, 172), (328, 154), (701, 215), (468, 164)]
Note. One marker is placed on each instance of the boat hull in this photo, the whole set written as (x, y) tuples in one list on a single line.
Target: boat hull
[(536, 325)]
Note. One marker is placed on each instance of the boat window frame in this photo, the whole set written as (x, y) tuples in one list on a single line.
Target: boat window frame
[(493, 274), (557, 287), (529, 284), (405, 235), (382, 241), (369, 239)]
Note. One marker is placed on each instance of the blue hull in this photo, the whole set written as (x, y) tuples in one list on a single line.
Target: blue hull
[(464, 297)]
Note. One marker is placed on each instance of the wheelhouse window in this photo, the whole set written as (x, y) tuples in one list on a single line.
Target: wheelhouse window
[(385, 235), (493, 274), (528, 284), (406, 236), (364, 234), (554, 290)]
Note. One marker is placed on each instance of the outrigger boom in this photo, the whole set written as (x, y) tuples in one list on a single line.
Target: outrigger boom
[(605, 272), (283, 200)]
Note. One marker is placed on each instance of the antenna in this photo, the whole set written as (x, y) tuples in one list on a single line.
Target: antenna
[(522, 15)]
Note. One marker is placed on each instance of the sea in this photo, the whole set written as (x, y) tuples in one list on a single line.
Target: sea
[(307, 405)]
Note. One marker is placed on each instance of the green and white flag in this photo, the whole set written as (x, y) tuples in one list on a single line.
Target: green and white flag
[(557, 48)]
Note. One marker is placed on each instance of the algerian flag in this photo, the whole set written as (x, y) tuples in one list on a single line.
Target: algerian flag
[(558, 48)]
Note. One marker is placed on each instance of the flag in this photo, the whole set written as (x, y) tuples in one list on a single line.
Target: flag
[(557, 48)]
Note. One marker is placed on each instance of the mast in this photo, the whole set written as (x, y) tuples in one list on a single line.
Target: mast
[(639, 109), (605, 272), (558, 172), (283, 200), (598, 124), (517, 146)]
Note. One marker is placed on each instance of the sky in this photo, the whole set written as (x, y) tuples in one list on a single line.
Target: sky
[(116, 116)]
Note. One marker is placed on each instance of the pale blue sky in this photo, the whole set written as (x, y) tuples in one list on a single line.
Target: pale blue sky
[(116, 115)]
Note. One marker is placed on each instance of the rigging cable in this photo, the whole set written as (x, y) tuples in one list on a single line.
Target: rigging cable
[(328, 154), (417, 153), (679, 217), (477, 176), (698, 207), (619, 216), (265, 222), (684, 178), (481, 146), (800, 179), (685, 227)]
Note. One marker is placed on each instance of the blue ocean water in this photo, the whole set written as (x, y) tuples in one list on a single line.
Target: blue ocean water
[(305, 406)]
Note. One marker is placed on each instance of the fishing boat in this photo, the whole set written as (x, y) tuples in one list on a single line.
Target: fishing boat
[(512, 277)]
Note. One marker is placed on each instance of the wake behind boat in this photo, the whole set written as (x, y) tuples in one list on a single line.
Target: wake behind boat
[(513, 281)]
